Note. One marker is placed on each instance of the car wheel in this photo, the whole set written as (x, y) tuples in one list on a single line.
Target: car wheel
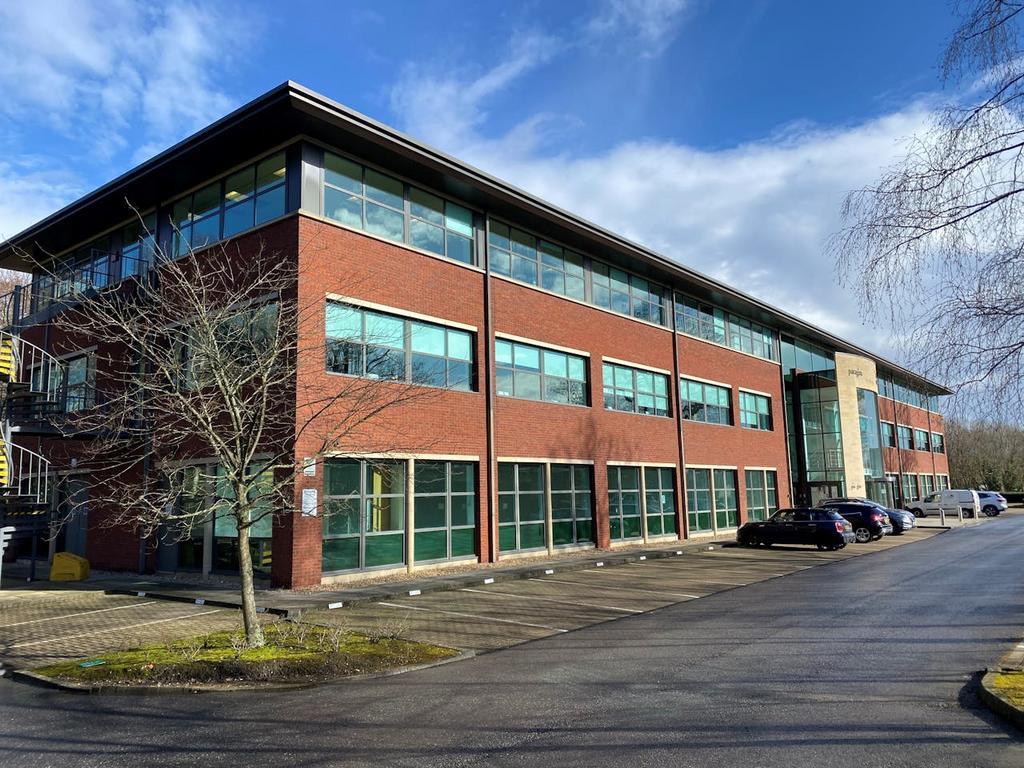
[(990, 511), (918, 513), (863, 535), (823, 547)]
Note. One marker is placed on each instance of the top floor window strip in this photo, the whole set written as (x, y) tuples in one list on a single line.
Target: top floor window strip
[(374, 202), (229, 206), (530, 259), (696, 318), (902, 393)]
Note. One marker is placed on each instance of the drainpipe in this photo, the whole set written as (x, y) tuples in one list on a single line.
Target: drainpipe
[(491, 458)]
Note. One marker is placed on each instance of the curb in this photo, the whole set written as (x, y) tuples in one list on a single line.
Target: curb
[(995, 701), (28, 677)]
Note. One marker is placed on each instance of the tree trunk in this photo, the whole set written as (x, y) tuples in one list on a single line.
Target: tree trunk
[(250, 619)]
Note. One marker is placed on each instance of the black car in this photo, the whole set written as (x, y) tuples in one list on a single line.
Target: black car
[(900, 519), (822, 527), (869, 521)]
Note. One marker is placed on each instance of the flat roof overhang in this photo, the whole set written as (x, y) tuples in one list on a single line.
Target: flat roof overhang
[(291, 110)]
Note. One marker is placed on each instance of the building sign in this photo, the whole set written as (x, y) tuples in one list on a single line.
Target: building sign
[(309, 502)]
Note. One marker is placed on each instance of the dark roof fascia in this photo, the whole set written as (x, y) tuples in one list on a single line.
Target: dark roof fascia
[(509, 192), (27, 237), (320, 107)]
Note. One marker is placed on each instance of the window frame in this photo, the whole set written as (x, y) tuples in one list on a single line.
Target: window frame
[(609, 386), (409, 218), (448, 494), (541, 372), (687, 405), (335, 345), (762, 422)]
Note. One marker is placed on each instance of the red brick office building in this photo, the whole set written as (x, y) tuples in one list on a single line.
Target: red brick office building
[(585, 391)]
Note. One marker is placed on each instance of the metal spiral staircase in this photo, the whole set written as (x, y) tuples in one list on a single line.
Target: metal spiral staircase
[(29, 382)]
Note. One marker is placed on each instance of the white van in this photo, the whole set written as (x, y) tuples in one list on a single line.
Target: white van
[(951, 501)]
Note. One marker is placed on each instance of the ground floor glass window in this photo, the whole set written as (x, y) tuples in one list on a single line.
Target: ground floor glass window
[(520, 507), (624, 502), (660, 492), (762, 494), (364, 514), (726, 504), (444, 502), (572, 513)]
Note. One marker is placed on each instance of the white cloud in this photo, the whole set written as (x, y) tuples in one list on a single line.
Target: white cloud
[(96, 69), (28, 192), (117, 80), (648, 25), (755, 215), (448, 106)]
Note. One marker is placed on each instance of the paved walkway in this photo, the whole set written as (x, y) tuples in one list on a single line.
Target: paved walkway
[(44, 626)]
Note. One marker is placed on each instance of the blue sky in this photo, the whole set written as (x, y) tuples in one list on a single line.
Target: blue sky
[(723, 133)]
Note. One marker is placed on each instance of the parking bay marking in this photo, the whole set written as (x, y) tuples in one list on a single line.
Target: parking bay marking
[(552, 600), (473, 616), (72, 615), (114, 629), (624, 589)]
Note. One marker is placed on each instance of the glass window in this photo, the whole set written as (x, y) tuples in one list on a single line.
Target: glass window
[(244, 199), (905, 438), (660, 500), (762, 494), (705, 402), (624, 502), (712, 324), (523, 370), (634, 390), (698, 499), (909, 486), (921, 440), (445, 510), (138, 246), (888, 435), (521, 523), (363, 514), (367, 199), (362, 342), (755, 411), (726, 508), (938, 443), (627, 294), (572, 514)]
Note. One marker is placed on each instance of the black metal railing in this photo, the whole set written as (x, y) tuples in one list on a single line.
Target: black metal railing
[(68, 285)]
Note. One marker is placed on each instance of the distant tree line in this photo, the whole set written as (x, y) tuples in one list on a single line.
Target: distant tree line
[(985, 454)]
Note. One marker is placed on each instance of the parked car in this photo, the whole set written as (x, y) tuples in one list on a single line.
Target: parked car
[(900, 519), (992, 503), (823, 528), (951, 501), (870, 522)]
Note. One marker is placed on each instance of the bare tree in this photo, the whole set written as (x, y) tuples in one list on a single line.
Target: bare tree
[(986, 455), (206, 382), (937, 245)]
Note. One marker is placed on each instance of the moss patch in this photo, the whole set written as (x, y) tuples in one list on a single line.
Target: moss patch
[(293, 653), (1011, 685)]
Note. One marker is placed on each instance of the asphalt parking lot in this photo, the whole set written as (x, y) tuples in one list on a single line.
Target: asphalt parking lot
[(489, 616), (40, 626)]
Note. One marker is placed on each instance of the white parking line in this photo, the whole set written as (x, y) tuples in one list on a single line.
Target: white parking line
[(552, 600), (114, 629), (80, 613), (624, 589), (472, 616)]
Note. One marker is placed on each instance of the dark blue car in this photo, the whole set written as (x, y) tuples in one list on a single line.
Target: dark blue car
[(823, 528)]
